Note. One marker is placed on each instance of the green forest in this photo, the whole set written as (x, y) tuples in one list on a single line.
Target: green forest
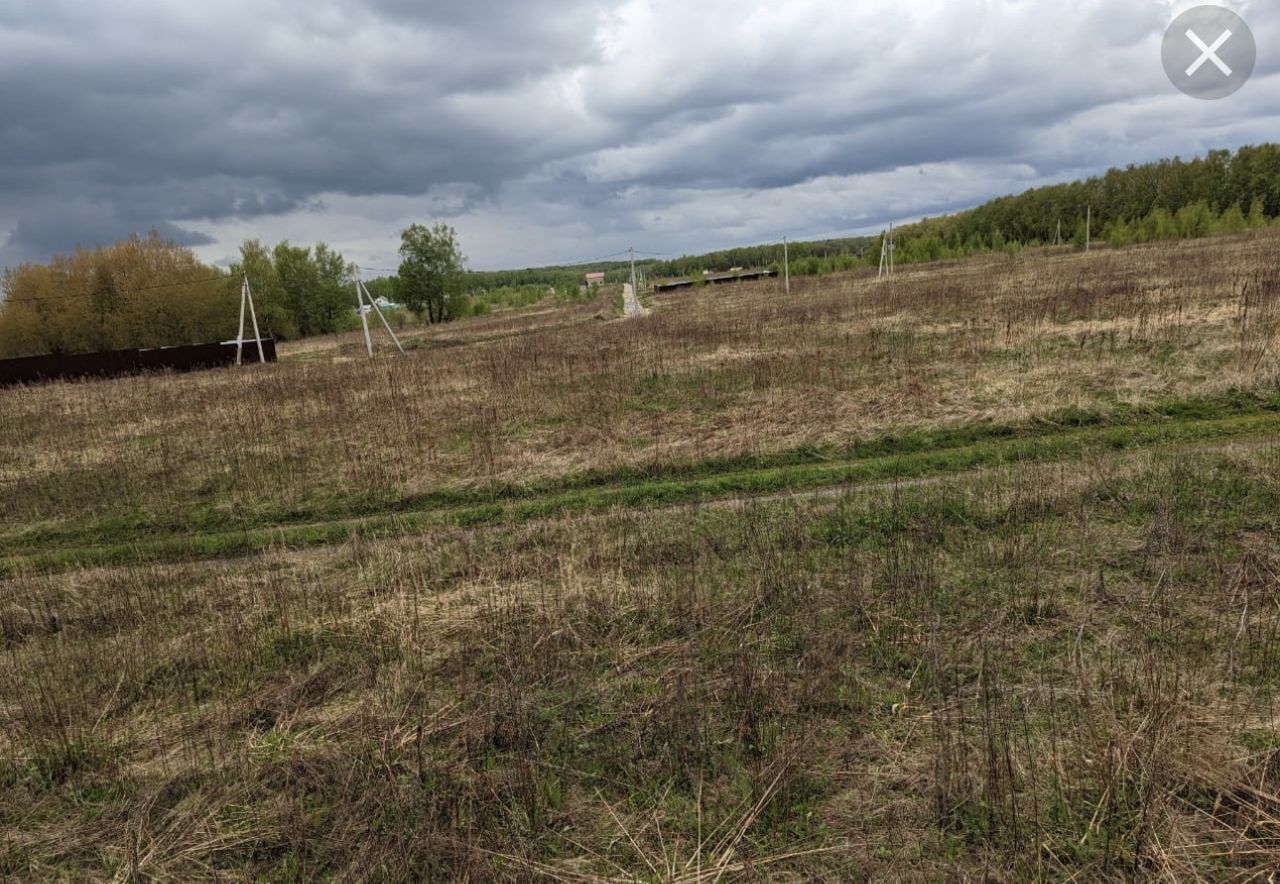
[(147, 292), (1170, 199), (1221, 192)]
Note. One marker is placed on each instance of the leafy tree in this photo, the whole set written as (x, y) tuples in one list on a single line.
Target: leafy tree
[(269, 296), (299, 291), (1233, 220), (431, 271), (141, 292), (1195, 219), (333, 302), (1257, 214), (1159, 225), (317, 287), (298, 282), (1082, 234), (22, 332), (1119, 233)]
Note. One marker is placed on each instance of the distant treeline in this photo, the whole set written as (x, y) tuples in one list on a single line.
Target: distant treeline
[(149, 292), (143, 292), (556, 277), (481, 293), (1169, 199), (820, 256), (807, 258)]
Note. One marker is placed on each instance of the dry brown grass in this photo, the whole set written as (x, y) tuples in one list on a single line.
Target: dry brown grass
[(1056, 671), (720, 372), (507, 323)]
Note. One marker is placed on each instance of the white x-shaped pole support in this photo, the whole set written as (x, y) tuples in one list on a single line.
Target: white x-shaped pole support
[(1209, 53)]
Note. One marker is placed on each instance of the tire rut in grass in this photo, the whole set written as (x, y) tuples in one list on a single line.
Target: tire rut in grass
[(827, 478)]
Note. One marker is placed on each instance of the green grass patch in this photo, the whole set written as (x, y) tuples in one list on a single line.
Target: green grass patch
[(899, 458), (646, 481)]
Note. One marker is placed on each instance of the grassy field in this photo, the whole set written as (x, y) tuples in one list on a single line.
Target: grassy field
[(970, 575)]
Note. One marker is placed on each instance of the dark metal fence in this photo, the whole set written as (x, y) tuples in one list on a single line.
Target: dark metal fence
[(715, 279), (120, 363)]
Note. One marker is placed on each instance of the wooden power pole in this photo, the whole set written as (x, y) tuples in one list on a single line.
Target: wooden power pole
[(786, 264)]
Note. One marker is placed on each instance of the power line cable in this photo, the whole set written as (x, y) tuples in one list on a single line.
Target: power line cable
[(603, 260)]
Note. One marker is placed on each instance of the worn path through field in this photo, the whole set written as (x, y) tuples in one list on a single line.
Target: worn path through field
[(47, 553)]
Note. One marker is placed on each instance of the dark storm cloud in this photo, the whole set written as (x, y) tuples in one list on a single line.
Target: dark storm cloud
[(549, 126), (307, 120), (128, 116), (41, 234)]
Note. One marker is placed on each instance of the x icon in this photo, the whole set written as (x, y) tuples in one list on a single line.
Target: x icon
[(1209, 53)]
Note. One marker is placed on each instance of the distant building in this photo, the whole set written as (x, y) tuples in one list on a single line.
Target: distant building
[(383, 304), (594, 279)]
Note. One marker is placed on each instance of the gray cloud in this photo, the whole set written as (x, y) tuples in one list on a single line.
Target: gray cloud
[(554, 129), (44, 233)]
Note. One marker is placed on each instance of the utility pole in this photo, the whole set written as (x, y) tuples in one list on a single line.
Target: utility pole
[(364, 317), (246, 297), (786, 263), (378, 310), (886, 255), (1058, 240), (633, 269), (363, 294), (1088, 229)]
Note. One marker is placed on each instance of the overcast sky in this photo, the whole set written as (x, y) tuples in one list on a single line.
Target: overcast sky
[(554, 131)]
